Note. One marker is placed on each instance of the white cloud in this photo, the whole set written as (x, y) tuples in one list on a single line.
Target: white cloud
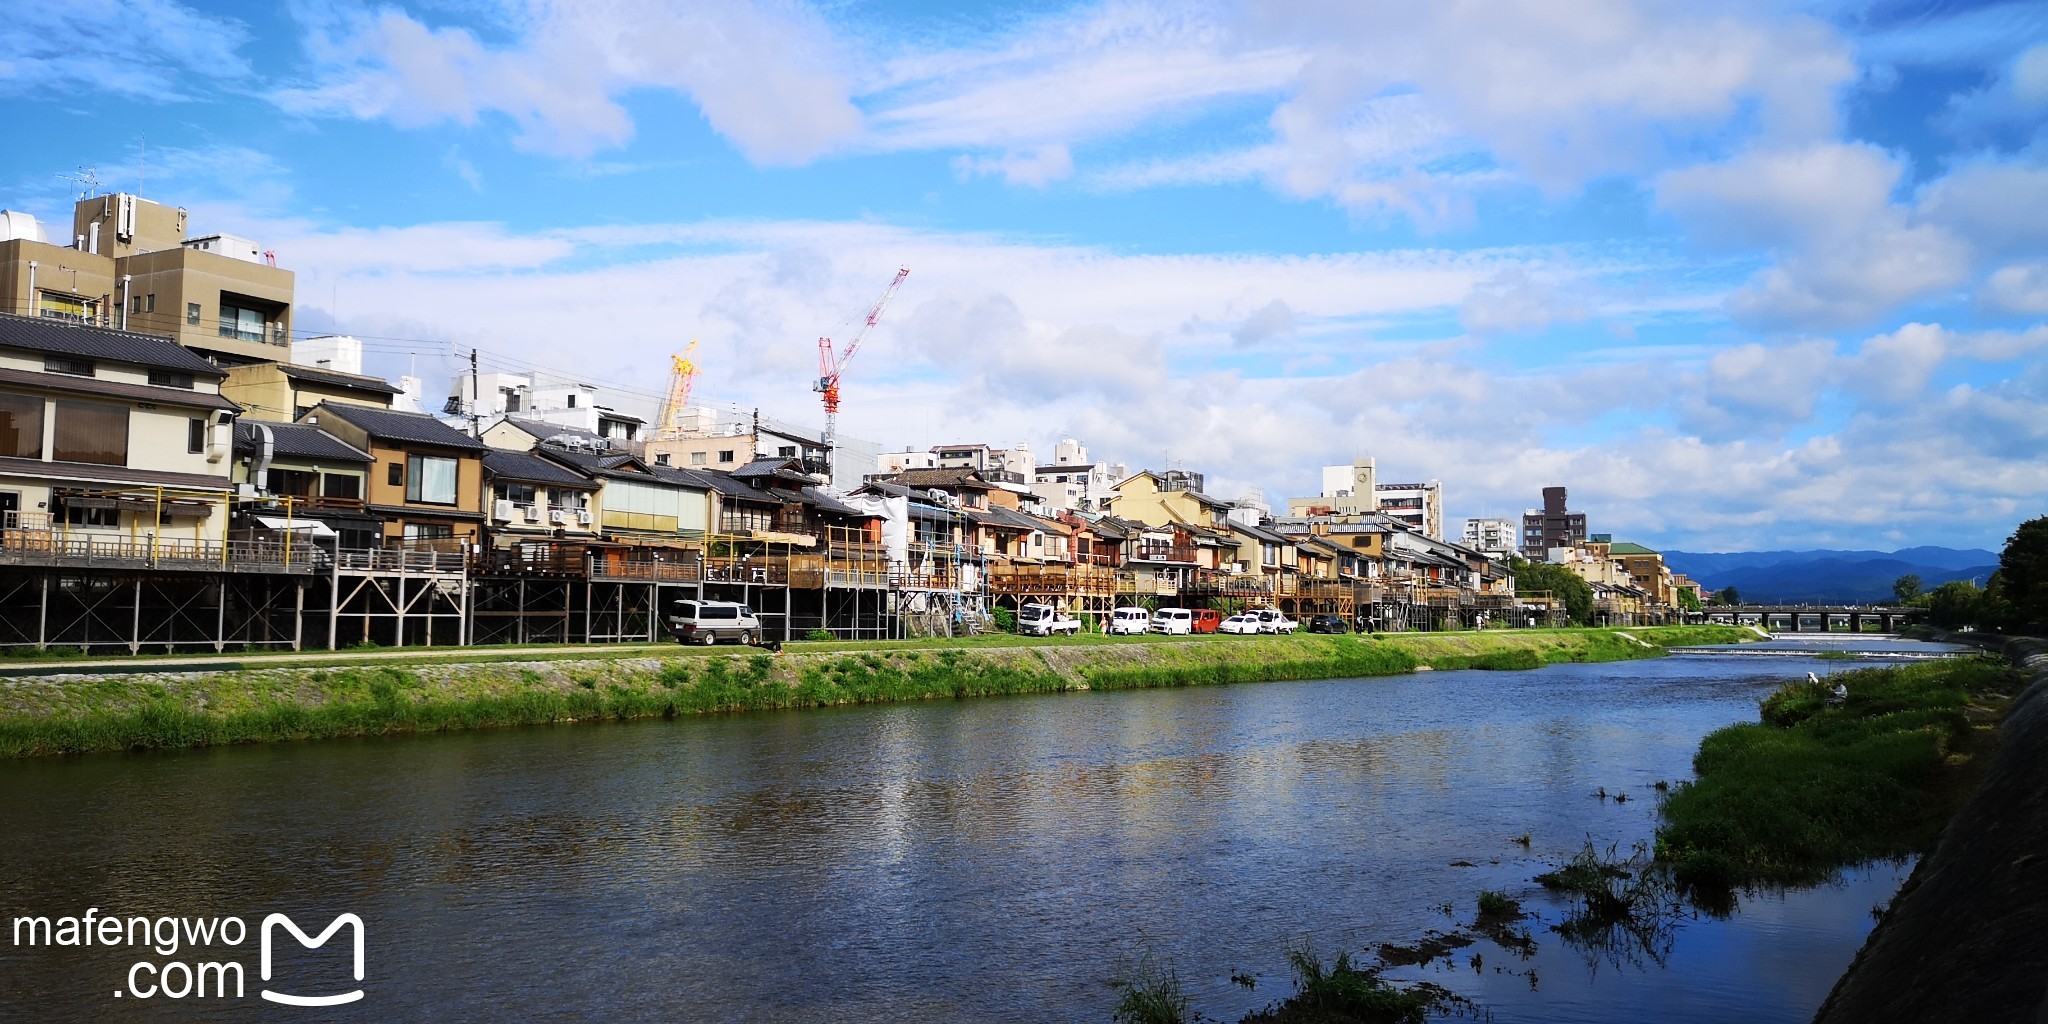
[(141, 49), (1275, 319), (761, 74), (1033, 167), (1847, 253), (2020, 288), (1514, 301)]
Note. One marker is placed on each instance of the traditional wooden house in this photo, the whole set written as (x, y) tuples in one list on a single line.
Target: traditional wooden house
[(426, 478)]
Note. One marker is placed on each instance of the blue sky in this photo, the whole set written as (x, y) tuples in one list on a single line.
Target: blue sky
[(1741, 276)]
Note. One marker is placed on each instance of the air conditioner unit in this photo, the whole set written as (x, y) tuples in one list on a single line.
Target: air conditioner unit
[(583, 516), (560, 517), (501, 509)]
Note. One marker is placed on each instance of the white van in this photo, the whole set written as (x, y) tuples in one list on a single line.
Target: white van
[(708, 622), (1173, 621), (1130, 622)]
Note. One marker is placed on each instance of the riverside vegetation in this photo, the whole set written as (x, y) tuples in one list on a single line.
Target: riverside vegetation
[(82, 713)]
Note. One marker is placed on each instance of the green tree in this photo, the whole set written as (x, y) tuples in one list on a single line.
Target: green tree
[(1727, 595), (1537, 577), (1955, 604), (1689, 600), (1906, 588), (2022, 575)]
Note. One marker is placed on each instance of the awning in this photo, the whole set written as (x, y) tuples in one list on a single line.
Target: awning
[(313, 526)]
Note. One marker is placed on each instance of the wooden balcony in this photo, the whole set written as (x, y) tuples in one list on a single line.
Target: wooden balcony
[(1052, 580), (1153, 551), (83, 550)]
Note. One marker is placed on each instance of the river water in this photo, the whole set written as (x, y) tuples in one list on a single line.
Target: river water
[(991, 859)]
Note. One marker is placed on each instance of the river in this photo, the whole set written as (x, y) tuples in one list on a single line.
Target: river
[(992, 859)]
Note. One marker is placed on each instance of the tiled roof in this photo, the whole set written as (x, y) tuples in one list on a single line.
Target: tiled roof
[(336, 378), (296, 441), (41, 334), (116, 389), (403, 427), (1626, 548), (81, 472), (527, 467), (927, 478)]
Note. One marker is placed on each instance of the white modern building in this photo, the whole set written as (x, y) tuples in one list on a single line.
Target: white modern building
[(1074, 481), (1355, 490), (1497, 537)]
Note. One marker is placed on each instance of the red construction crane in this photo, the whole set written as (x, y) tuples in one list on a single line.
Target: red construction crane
[(831, 364)]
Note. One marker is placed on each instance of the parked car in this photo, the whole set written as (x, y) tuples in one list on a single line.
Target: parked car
[(1241, 624), (708, 622), (1273, 620), (1130, 621), (1045, 620), (1206, 620), (1173, 621), (1327, 624)]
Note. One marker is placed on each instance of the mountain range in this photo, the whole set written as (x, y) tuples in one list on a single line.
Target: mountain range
[(1858, 577)]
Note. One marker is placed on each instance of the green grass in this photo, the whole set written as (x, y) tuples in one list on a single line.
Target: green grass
[(1345, 993), (378, 696), (1812, 788)]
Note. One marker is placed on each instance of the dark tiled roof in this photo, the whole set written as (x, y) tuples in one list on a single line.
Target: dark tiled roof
[(615, 465), (403, 427), (828, 503), (542, 429), (296, 441), (527, 467), (335, 378), (115, 389), (58, 337), (772, 471), (966, 479)]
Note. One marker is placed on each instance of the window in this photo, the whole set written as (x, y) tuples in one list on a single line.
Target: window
[(698, 458), (66, 364), (661, 459), (517, 494), (94, 432), (134, 303), (429, 531), (787, 451), (430, 479), (170, 379), (739, 518), (396, 476), (61, 306), (725, 456), (572, 401), (294, 483), (241, 323), (149, 303), (21, 426), (337, 485), (195, 436), (75, 516), (192, 313)]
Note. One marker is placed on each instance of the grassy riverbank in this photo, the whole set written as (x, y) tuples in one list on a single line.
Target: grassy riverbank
[(1812, 787), (82, 713)]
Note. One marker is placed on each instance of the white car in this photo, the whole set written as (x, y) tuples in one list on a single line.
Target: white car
[(1273, 620), (1243, 624), (1045, 620), (1173, 621), (1130, 622)]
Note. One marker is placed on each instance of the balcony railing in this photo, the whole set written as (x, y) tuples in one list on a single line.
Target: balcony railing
[(84, 550)]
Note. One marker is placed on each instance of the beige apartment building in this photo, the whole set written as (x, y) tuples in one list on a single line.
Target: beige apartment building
[(128, 264)]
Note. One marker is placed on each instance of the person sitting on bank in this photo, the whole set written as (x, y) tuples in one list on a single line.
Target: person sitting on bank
[(1840, 692)]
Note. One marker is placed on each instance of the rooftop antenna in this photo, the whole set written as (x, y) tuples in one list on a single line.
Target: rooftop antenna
[(88, 181)]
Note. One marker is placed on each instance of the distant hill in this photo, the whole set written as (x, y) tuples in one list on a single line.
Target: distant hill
[(1857, 577)]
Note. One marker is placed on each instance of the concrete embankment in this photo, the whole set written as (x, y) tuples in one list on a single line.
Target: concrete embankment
[(1966, 939), (72, 713)]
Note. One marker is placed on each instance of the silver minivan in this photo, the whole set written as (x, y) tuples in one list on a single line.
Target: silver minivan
[(708, 622)]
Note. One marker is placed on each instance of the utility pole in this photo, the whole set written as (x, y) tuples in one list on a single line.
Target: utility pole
[(475, 420)]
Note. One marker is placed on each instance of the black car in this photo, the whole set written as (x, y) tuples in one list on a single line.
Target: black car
[(1327, 624)]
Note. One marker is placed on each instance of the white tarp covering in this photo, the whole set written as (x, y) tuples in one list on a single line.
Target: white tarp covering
[(312, 526), (895, 515)]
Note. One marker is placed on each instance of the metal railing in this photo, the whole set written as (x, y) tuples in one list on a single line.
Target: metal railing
[(83, 550)]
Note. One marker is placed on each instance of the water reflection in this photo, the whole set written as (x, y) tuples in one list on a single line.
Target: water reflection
[(985, 860)]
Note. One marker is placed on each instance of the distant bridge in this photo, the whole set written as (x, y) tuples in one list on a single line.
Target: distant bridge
[(1814, 618)]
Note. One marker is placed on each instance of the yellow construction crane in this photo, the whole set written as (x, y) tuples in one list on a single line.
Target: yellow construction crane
[(682, 376)]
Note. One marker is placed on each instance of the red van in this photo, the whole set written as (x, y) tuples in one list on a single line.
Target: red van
[(1206, 620)]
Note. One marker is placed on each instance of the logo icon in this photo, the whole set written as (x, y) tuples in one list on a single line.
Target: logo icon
[(312, 942)]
